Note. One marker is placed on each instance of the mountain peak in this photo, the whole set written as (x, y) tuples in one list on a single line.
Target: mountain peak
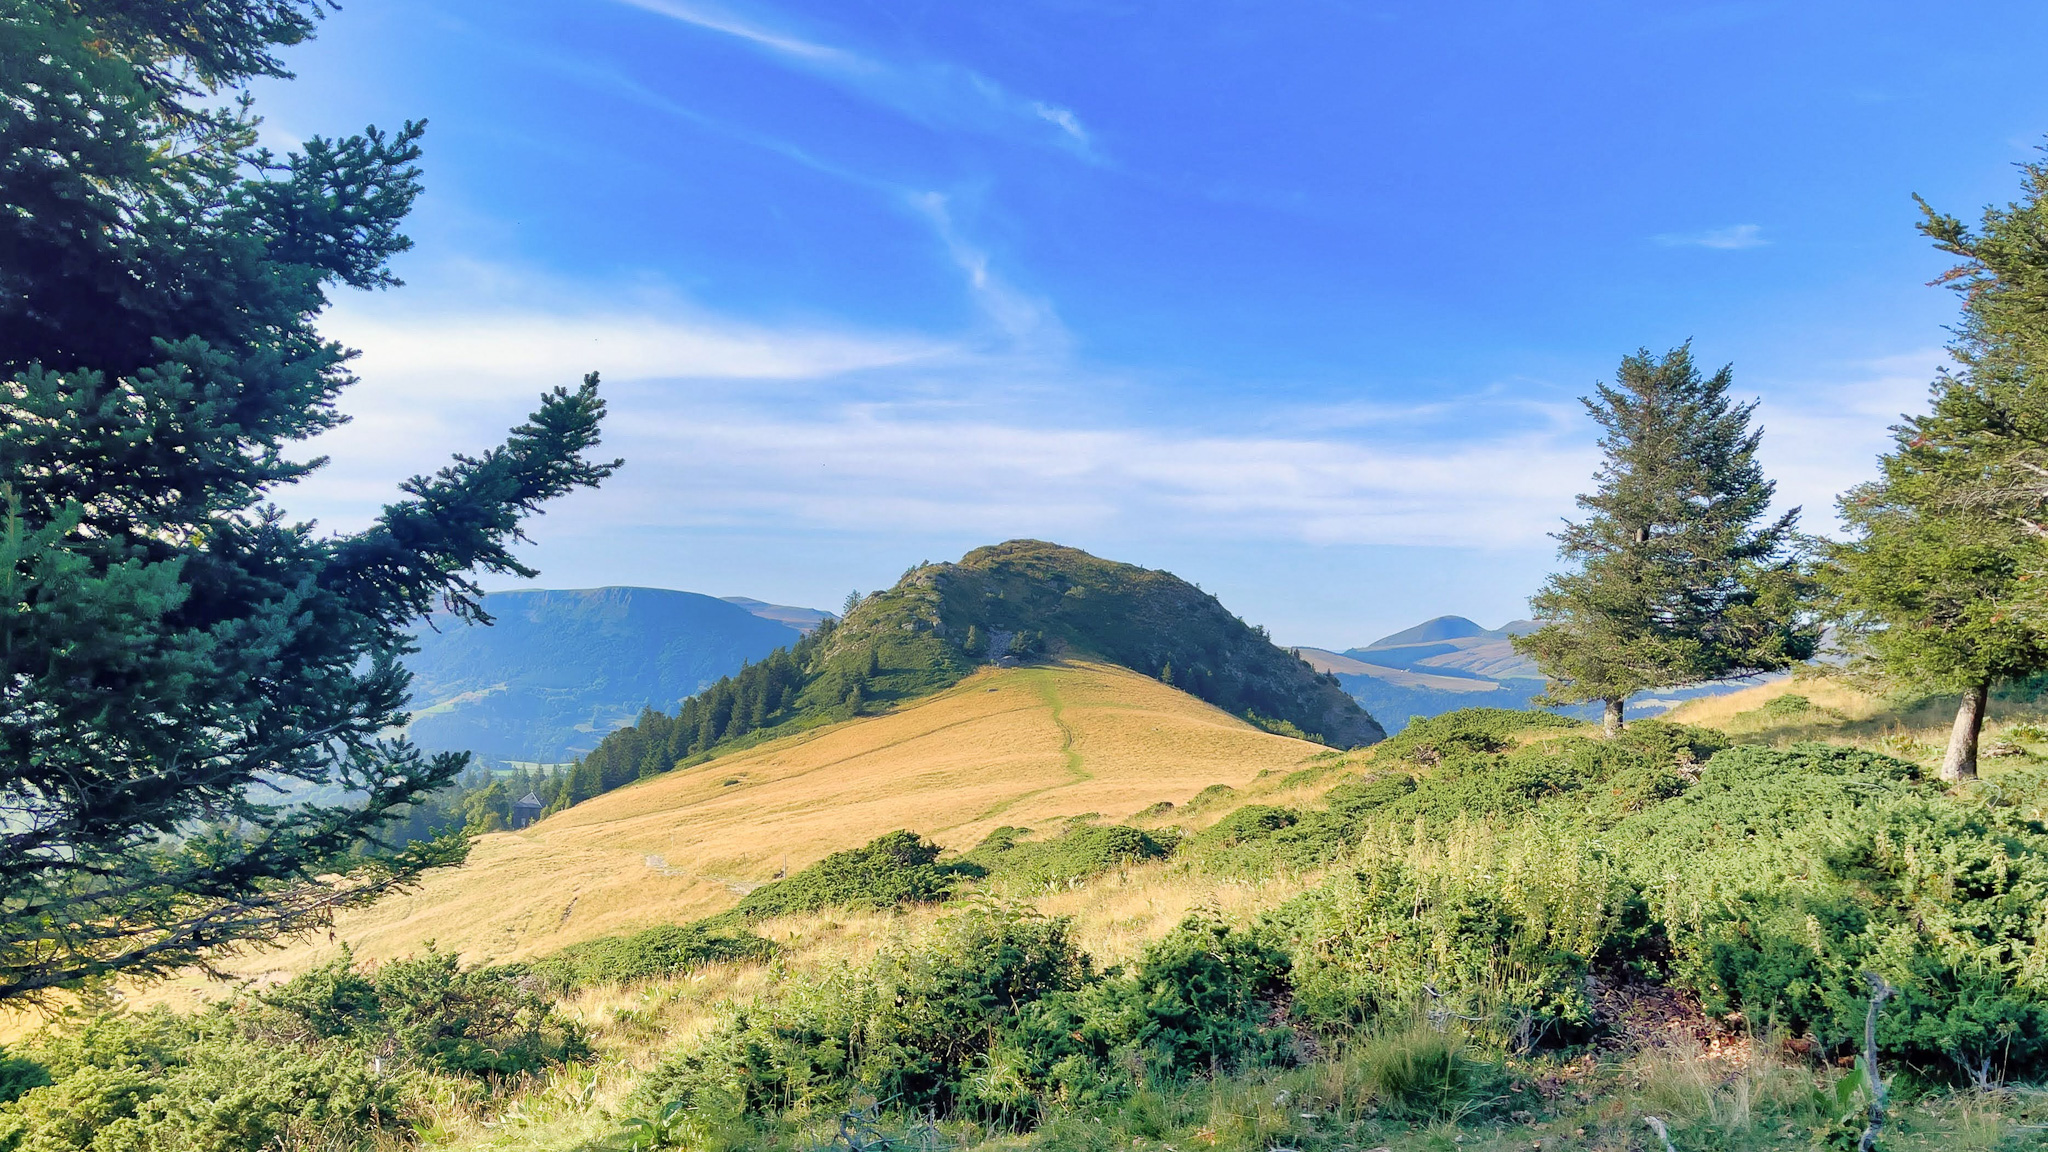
[(1432, 631), (1025, 598)]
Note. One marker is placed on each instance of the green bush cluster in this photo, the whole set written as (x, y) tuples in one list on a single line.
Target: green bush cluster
[(1494, 931), (896, 868), (1080, 850), (1781, 878), (1768, 883), (429, 1009), (334, 1055), (996, 1015), (215, 1080), (1427, 739), (1484, 879), (1261, 839), (1462, 765), (664, 950)]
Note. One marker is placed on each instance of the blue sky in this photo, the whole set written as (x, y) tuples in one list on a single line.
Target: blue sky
[(1292, 299)]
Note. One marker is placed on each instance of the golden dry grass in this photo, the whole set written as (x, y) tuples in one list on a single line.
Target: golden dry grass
[(1018, 746), (1840, 711)]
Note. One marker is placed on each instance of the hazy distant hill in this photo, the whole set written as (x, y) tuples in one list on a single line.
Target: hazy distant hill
[(558, 670), (1450, 662), (1435, 667), (801, 619), (1454, 646)]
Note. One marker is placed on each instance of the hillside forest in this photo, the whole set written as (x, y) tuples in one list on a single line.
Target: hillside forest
[(1809, 914)]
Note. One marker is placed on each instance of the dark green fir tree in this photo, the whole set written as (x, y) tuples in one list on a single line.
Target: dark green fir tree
[(195, 742), (1942, 582), (1679, 575)]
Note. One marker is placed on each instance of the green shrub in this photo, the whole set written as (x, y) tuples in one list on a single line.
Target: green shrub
[(995, 1013), (1259, 839), (1790, 705), (1251, 822), (1210, 797), (1204, 996), (468, 1022), (911, 1027), (1357, 798), (18, 1074), (898, 868), (1080, 851), (1477, 774), (1784, 876), (472, 1022), (213, 1080), (954, 994), (665, 950), (1494, 929), (1468, 730)]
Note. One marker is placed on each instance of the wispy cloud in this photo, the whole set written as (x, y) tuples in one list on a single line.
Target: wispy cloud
[(1025, 322), (1015, 316), (536, 345), (1822, 437), (725, 424), (904, 467), (935, 93), (1065, 119), (440, 378), (1727, 239), (713, 20)]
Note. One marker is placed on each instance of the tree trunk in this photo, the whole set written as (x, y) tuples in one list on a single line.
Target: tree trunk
[(1961, 761), (1614, 717)]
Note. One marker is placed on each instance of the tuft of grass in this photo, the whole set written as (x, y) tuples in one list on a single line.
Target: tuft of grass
[(1418, 1072)]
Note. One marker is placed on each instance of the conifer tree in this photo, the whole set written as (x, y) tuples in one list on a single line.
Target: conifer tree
[(1679, 577), (1941, 581), (176, 656)]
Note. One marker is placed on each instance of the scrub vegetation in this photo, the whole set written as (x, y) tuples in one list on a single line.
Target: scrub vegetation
[(1501, 926)]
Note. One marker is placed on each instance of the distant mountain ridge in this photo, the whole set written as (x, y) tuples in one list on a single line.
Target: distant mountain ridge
[(1450, 662), (1437, 666), (1454, 646), (560, 669), (801, 619)]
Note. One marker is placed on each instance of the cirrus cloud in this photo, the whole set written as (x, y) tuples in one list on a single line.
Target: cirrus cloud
[(1731, 238)]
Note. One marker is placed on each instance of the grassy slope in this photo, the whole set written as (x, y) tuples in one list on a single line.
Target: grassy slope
[(1061, 741), (1708, 1097), (1017, 746)]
